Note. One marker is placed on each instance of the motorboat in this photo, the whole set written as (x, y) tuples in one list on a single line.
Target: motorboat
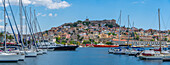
[(150, 55), (117, 50), (133, 52)]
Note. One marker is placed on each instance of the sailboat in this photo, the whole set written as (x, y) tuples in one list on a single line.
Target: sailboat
[(7, 56), (40, 50), (29, 52), (122, 49), (153, 54)]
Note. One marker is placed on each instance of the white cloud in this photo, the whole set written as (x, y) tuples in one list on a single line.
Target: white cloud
[(55, 14), (50, 14), (43, 15), (50, 4)]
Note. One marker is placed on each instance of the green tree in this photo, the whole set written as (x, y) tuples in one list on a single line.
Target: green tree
[(58, 39), (141, 39), (91, 40), (109, 43), (152, 40), (137, 37), (74, 42), (95, 43), (114, 34), (75, 24), (10, 37), (79, 21), (109, 25), (99, 25), (1, 35), (165, 39), (78, 36), (86, 42), (109, 33)]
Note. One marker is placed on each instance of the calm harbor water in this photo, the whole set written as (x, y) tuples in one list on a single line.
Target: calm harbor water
[(85, 56)]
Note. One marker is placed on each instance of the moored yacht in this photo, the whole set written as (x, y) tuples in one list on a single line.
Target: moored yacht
[(104, 45), (117, 50), (9, 57), (30, 53), (150, 55), (39, 51)]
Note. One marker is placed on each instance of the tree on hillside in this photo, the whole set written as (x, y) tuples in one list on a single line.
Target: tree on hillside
[(109, 25), (91, 40), (109, 43), (137, 37), (1, 35), (86, 42), (141, 39), (114, 34), (109, 33), (79, 21), (75, 24), (152, 40), (99, 25), (58, 39), (10, 37)]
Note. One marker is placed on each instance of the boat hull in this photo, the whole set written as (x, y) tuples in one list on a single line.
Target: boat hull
[(44, 51), (9, 58), (105, 46), (150, 57), (21, 57), (65, 48), (30, 54)]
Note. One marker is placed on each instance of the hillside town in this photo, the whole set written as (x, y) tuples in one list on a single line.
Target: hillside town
[(101, 31)]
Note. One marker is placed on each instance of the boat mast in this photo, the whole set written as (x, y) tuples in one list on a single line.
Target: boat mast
[(5, 26), (30, 25), (21, 22), (120, 24), (159, 28), (128, 31), (26, 33), (133, 33)]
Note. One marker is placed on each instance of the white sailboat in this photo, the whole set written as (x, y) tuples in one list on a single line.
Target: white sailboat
[(30, 52), (153, 54), (7, 56)]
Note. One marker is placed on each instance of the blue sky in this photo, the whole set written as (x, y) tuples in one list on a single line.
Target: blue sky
[(144, 13)]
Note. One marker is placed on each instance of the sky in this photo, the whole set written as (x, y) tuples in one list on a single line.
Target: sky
[(53, 13)]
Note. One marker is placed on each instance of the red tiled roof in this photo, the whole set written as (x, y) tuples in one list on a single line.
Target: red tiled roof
[(118, 40)]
